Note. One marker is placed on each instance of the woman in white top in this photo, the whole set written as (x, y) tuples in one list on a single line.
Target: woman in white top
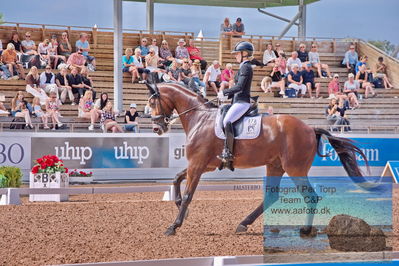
[(314, 59), (44, 50), (269, 57), (351, 88), (154, 46)]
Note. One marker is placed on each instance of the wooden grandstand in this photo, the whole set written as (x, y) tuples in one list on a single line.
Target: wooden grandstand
[(377, 114)]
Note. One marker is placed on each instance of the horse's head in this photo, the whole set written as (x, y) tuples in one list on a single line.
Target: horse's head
[(162, 112)]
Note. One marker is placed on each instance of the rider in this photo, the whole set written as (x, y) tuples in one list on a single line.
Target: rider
[(241, 97)]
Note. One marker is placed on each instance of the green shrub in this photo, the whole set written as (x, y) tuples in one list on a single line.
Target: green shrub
[(12, 176)]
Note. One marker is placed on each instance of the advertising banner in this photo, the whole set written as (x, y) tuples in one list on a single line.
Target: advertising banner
[(15, 151)]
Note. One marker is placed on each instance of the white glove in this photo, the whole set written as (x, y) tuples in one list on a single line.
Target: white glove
[(221, 96)]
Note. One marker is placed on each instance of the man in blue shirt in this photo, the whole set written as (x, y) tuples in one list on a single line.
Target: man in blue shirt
[(84, 45), (350, 59), (362, 61), (144, 48), (308, 80)]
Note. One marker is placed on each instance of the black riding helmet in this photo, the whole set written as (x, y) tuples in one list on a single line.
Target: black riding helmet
[(244, 46)]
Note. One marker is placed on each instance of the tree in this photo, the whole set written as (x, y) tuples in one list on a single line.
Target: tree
[(1, 18), (385, 46)]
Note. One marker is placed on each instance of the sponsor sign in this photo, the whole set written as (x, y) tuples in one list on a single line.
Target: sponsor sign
[(15, 151)]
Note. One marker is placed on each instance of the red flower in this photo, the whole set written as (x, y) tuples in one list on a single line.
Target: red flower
[(35, 169), (43, 166), (66, 170)]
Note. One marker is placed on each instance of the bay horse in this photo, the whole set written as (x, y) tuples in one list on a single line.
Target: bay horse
[(285, 145)]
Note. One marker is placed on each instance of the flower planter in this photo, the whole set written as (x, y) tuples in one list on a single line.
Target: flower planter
[(45, 180), (80, 179)]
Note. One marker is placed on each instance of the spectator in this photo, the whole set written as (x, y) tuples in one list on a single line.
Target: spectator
[(212, 76), (147, 110), (226, 28), (130, 119), (362, 61), (76, 82), (144, 49), (102, 101), (83, 45), (128, 64), (334, 89), (19, 109), (9, 58), (351, 88), (281, 63), (197, 76), (1, 47), (278, 49), (181, 51), (174, 71), (314, 59), (87, 82), (308, 80), (238, 29), (33, 85), (295, 80), (294, 60), (76, 60), (53, 105), (38, 112), (227, 77), (350, 59), (185, 72), (274, 81), (61, 79), (64, 47), (151, 61), (195, 53), (303, 55), (166, 54), (28, 45), (138, 62), (107, 121), (334, 115), (53, 52), (362, 78), (381, 72), (47, 81), (86, 109), (269, 57), (43, 50), (342, 112), (154, 46), (16, 42), (3, 109)]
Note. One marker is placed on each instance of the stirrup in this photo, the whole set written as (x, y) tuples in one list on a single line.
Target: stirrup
[(226, 156)]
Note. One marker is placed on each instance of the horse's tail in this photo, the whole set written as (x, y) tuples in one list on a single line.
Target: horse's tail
[(346, 151)]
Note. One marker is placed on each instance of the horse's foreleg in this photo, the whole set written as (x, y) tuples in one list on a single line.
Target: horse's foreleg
[(192, 182), (176, 183)]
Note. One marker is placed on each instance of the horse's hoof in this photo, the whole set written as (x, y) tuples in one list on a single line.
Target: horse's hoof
[(241, 228), (170, 231), (308, 231)]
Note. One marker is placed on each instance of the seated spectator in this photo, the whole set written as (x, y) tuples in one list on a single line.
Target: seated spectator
[(195, 53), (47, 81), (281, 63), (362, 61), (138, 62), (151, 61), (303, 55), (9, 59), (227, 77), (185, 74), (1, 47), (33, 85), (174, 71), (53, 105), (76, 60), (154, 46), (83, 45), (334, 89), (102, 101), (308, 80), (43, 50), (269, 57), (212, 76), (295, 81), (197, 77), (226, 28), (38, 112), (76, 82), (165, 54), (381, 72), (181, 51), (16, 42), (274, 81), (333, 112), (61, 79), (53, 52), (107, 121), (362, 78), (278, 49), (238, 28), (342, 111), (28, 45), (64, 47), (314, 59), (294, 60), (128, 65), (350, 59), (19, 108), (351, 88), (147, 110), (87, 110), (87, 82), (130, 119), (144, 49), (3, 109)]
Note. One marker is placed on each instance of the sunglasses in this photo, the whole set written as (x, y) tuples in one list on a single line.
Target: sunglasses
[(27, 36), (336, 77), (278, 45), (314, 46)]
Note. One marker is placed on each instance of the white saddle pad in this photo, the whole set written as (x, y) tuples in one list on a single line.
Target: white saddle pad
[(250, 129)]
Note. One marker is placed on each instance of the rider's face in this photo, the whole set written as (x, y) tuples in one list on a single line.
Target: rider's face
[(238, 57)]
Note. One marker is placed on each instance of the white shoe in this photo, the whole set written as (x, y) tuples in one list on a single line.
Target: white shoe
[(285, 96), (60, 124), (73, 103), (281, 93), (141, 81), (91, 127), (102, 127)]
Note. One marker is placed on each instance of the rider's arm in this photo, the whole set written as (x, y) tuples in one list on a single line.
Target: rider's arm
[(242, 79)]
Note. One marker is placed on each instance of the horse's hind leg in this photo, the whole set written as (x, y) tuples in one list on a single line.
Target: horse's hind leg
[(176, 183), (274, 175)]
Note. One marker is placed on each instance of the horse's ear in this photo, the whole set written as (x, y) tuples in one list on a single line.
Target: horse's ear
[(153, 89)]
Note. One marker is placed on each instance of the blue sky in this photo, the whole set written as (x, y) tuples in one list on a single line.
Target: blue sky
[(366, 19)]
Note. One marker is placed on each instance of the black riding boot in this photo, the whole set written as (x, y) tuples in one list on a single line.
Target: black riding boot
[(228, 151)]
